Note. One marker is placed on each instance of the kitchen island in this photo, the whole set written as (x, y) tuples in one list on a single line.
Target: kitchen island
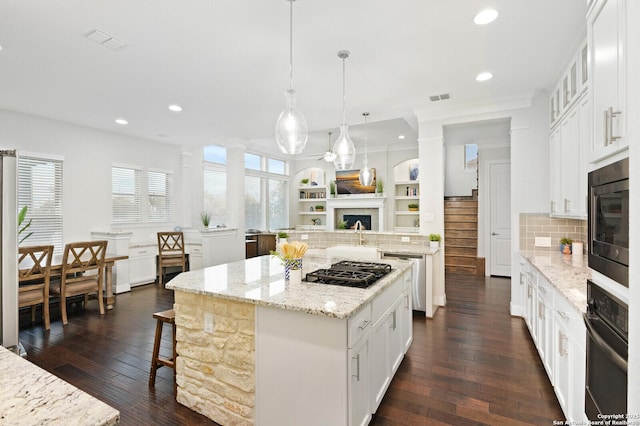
[(256, 349)]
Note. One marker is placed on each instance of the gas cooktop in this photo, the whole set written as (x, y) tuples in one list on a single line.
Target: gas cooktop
[(350, 274)]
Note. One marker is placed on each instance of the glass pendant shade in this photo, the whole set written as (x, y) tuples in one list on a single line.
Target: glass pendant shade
[(344, 149), (366, 175), (291, 128)]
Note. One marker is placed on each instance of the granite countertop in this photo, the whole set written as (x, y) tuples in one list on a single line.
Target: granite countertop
[(33, 396), (408, 249), (260, 280), (567, 273)]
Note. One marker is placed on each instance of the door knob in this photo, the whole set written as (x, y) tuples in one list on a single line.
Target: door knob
[(494, 233)]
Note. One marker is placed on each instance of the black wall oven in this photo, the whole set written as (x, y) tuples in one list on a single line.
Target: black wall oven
[(607, 353), (609, 221)]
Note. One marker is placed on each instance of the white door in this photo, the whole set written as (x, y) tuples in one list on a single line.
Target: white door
[(500, 229)]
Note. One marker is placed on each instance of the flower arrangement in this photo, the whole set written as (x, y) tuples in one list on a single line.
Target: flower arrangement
[(565, 245)]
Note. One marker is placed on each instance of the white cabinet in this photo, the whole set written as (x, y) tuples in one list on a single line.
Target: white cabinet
[(347, 363), (545, 325), (359, 408), (559, 334), (606, 35), (142, 265), (568, 173)]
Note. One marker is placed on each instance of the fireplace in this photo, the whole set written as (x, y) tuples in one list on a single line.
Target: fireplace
[(369, 210), (351, 220)]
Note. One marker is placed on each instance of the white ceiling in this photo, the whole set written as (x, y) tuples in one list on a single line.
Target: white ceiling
[(226, 62)]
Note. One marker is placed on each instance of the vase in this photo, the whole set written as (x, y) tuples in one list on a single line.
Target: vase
[(565, 248), (434, 244), (291, 265)]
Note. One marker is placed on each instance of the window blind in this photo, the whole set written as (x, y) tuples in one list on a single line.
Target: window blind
[(126, 194), (40, 189), (160, 190)]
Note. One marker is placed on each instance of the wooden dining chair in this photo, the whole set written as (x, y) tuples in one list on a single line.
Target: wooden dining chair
[(34, 272), (170, 252), (82, 273)]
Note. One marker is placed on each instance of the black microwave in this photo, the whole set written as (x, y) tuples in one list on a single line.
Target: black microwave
[(609, 221)]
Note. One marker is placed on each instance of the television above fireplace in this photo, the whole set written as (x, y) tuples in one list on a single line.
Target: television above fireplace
[(347, 182)]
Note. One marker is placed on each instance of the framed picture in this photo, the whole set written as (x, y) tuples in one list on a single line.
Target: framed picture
[(316, 178), (348, 182), (414, 171)]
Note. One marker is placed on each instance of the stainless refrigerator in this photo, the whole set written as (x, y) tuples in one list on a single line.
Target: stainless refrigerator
[(9, 251)]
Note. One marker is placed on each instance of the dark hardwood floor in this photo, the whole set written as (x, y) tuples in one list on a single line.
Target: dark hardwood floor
[(473, 364)]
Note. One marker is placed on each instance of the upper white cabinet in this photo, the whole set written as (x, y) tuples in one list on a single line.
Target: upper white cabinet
[(606, 35), (569, 138)]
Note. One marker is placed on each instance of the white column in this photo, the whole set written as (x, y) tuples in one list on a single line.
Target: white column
[(186, 190)]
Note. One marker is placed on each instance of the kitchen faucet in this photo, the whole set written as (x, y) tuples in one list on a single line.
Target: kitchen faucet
[(358, 227)]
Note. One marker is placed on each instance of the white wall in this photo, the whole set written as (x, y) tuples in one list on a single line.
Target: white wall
[(458, 181)]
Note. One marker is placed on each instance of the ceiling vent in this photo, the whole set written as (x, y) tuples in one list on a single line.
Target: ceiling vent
[(443, 97), (105, 39)]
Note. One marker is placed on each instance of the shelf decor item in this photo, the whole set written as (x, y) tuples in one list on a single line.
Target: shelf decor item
[(205, 218), (565, 245), (434, 241), (319, 208), (282, 237), (304, 181), (292, 132), (332, 188), (413, 207), (379, 187)]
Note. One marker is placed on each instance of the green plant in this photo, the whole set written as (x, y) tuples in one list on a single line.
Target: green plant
[(205, 218), (566, 241), (319, 207), (22, 229), (413, 205), (283, 235), (434, 237), (379, 186), (304, 181), (332, 187), (342, 224)]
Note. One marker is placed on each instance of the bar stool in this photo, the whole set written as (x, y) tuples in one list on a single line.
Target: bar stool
[(168, 316)]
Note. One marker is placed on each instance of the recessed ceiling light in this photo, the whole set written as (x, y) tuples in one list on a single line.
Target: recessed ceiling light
[(175, 108), (485, 17), (484, 76), (401, 137), (122, 121)]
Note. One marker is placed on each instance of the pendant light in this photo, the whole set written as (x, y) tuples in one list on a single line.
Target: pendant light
[(291, 128), (344, 147), (366, 175)]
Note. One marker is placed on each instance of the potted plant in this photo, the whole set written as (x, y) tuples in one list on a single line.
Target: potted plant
[(316, 221), (205, 218), (282, 237), (379, 187), (565, 245), (319, 208), (413, 207), (332, 188), (342, 224), (304, 181), (434, 241)]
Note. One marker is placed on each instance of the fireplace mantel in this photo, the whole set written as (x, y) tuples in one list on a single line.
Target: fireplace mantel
[(355, 202)]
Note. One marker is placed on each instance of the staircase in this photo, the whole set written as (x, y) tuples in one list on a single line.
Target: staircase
[(461, 236)]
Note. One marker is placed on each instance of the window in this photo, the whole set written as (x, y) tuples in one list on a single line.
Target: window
[(215, 154), (266, 193), (160, 196), (215, 193), (40, 189), (471, 156), (135, 203), (126, 194)]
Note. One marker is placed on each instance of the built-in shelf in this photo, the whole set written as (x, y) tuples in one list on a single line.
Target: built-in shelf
[(313, 213), (404, 197), (405, 192)]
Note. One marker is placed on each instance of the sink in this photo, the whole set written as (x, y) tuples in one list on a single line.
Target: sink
[(353, 252)]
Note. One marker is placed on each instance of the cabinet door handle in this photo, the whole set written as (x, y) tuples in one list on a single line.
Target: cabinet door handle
[(543, 290), (522, 278), (606, 127), (562, 350), (357, 375), (562, 315), (406, 301), (540, 310), (363, 325), (552, 207), (529, 292), (567, 204), (393, 320), (612, 114)]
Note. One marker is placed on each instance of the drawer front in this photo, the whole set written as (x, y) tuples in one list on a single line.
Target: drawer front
[(358, 326), (143, 252), (384, 301), (545, 291)]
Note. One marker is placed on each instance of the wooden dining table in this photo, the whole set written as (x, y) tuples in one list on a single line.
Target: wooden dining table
[(109, 261)]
